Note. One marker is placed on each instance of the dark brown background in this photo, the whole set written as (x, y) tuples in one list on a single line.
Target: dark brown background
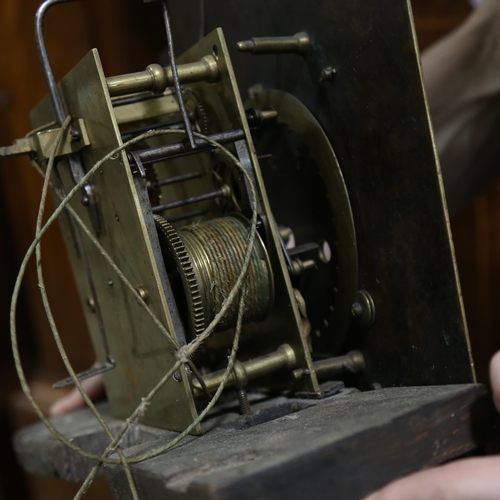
[(128, 36)]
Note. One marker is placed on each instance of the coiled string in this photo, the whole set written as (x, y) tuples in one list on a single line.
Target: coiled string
[(217, 249), (183, 352)]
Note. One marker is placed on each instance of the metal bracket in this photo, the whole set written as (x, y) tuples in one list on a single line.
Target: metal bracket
[(76, 168), (41, 144), (93, 372), (139, 170)]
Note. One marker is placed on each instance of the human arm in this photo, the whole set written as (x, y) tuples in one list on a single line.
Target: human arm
[(462, 80)]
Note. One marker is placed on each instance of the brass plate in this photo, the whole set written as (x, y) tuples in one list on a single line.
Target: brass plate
[(142, 354), (308, 194), (375, 115), (283, 325)]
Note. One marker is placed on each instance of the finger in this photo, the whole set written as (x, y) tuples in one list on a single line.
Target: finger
[(94, 387), (471, 479), (495, 379)]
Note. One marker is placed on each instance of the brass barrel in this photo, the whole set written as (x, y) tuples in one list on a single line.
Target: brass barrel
[(283, 358), (157, 79), (298, 44)]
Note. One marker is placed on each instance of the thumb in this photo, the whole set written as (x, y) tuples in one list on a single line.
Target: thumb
[(94, 387), (471, 479), (495, 379)]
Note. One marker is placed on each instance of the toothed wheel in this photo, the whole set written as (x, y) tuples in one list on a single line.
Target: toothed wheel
[(174, 250), (204, 262), (201, 113)]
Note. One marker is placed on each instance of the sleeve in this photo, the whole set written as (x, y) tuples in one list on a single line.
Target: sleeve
[(462, 77)]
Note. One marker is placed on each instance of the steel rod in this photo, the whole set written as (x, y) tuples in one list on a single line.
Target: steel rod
[(175, 73), (55, 96), (300, 249), (189, 215), (125, 101), (180, 178), (352, 363), (220, 193), (203, 20), (153, 155), (76, 168), (126, 134), (74, 160)]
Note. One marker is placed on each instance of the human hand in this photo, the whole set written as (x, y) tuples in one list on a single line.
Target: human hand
[(469, 479), (94, 387)]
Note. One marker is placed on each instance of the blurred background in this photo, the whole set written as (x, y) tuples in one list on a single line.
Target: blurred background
[(129, 36)]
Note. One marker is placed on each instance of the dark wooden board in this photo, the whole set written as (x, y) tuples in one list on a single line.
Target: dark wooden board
[(374, 114), (347, 445)]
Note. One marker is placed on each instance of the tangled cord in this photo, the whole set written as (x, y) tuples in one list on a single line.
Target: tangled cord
[(183, 353)]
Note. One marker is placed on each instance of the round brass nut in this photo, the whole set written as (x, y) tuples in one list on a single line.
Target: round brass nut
[(363, 309)]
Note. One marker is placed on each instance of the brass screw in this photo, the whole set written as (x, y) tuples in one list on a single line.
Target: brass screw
[(328, 74), (363, 309), (300, 266), (226, 191), (241, 381), (245, 408), (143, 293), (91, 305), (357, 309), (75, 135)]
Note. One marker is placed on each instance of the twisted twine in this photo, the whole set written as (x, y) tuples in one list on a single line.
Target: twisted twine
[(183, 352)]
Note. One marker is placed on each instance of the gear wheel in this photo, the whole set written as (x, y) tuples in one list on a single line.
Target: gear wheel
[(173, 249), (202, 116)]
